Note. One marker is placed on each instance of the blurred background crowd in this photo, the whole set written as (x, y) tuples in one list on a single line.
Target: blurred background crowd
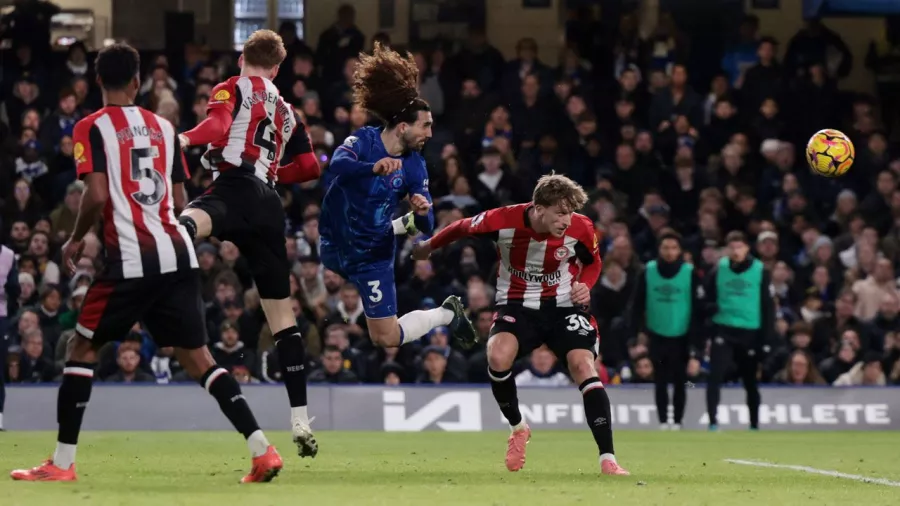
[(705, 149)]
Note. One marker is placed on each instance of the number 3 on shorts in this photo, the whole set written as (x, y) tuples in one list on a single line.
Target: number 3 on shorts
[(577, 320), (376, 291)]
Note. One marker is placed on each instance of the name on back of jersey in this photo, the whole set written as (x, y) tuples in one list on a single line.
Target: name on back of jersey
[(271, 98), (130, 132)]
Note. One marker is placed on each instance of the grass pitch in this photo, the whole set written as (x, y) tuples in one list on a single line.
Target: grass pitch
[(354, 469)]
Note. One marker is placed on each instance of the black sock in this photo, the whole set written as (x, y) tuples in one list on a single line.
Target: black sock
[(598, 414), (679, 400), (661, 391), (753, 402), (292, 360), (72, 400), (227, 393), (504, 387), (188, 223)]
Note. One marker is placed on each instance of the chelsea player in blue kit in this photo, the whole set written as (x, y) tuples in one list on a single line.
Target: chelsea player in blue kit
[(370, 173)]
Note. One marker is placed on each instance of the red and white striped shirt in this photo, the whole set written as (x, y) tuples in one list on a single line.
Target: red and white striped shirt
[(139, 153), (262, 123), (536, 270)]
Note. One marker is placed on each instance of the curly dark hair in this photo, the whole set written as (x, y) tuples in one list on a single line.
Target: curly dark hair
[(386, 84)]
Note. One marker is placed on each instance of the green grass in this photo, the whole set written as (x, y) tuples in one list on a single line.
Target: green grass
[(194, 468)]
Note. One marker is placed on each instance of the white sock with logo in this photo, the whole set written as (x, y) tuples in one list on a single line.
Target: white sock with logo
[(64, 456), (258, 444), (418, 323)]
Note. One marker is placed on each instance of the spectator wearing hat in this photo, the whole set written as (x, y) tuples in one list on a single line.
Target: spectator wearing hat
[(332, 369), (434, 366), (229, 351), (207, 258), (28, 295), (63, 217), (69, 318), (24, 95), (30, 166)]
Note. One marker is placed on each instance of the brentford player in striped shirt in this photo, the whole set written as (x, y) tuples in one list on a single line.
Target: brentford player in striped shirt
[(134, 173), (549, 261), (255, 139)]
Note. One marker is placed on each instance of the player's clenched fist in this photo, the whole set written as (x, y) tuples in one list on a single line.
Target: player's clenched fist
[(420, 204), (581, 294), (387, 166), (421, 250)]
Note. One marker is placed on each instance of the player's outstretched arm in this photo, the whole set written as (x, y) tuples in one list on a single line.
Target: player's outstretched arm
[(213, 128), (486, 223), (222, 101)]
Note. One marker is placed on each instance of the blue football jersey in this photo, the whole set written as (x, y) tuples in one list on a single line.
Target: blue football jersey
[(359, 205)]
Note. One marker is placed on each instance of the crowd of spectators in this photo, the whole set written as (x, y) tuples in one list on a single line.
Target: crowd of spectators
[(619, 115)]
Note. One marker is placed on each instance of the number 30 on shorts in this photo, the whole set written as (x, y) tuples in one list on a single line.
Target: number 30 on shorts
[(374, 287), (576, 321)]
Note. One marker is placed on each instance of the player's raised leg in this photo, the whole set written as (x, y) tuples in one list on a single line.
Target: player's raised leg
[(502, 349), (200, 365), (379, 296), (596, 407), (197, 222), (176, 318)]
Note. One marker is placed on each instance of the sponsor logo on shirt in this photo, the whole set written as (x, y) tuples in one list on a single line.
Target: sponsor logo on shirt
[(78, 153)]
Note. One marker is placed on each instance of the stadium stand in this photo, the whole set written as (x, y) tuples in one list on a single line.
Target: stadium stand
[(656, 147)]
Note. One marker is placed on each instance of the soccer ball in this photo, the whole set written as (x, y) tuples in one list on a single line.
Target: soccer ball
[(830, 153)]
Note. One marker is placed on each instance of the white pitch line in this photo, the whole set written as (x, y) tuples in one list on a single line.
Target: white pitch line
[(813, 470)]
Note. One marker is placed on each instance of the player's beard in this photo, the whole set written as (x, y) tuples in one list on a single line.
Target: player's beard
[(410, 144)]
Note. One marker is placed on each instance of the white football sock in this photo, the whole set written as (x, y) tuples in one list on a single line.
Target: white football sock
[(64, 456), (258, 443), (607, 456), (299, 413), (1, 420), (521, 426), (418, 323)]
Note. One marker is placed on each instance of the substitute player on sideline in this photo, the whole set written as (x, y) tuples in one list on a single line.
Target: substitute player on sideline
[(666, 305), (549, 261), (256, 138), (134, 172), (739, 301), (369, 174)]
